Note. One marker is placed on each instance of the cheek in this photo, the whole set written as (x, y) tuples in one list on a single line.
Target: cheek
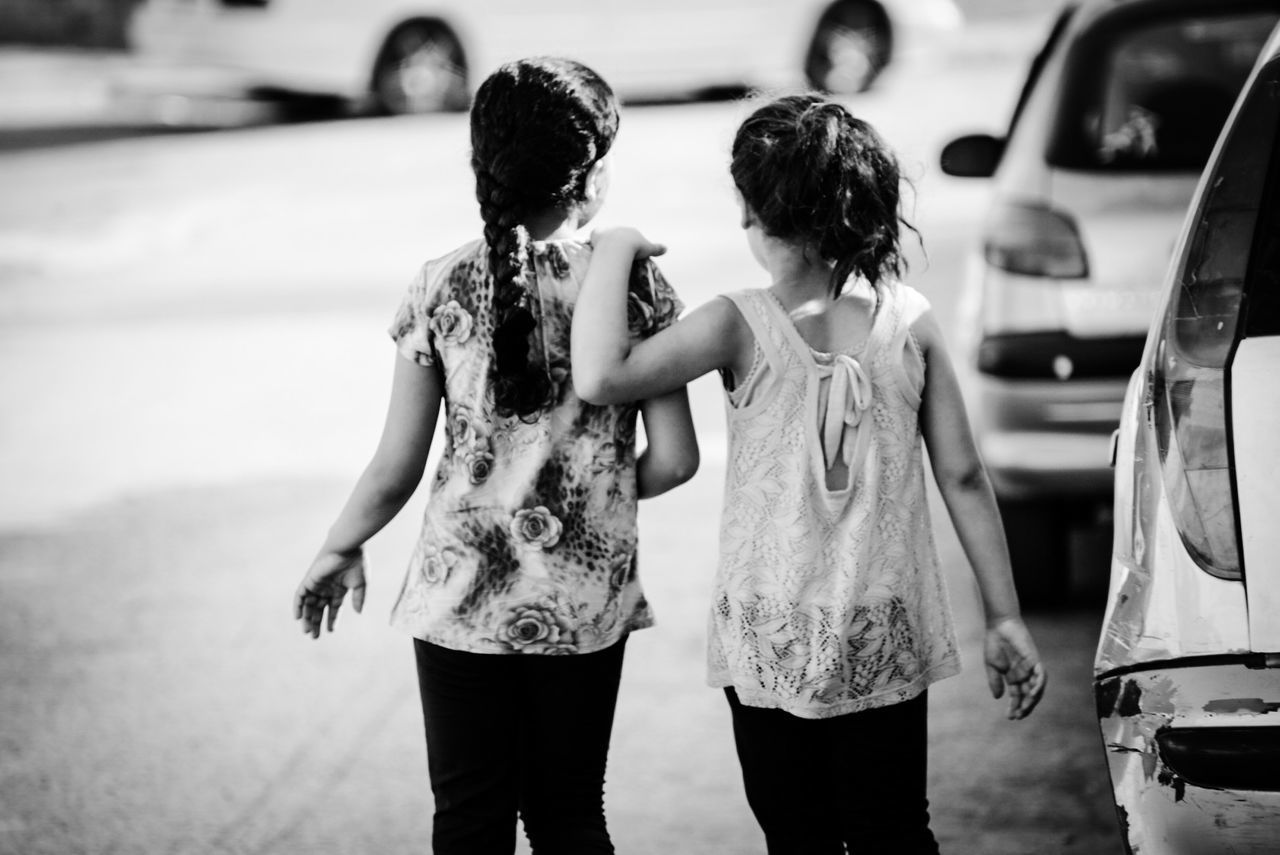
[(757, 246)]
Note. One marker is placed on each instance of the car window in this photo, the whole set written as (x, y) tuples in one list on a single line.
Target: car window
[(1231, 214), (1263, 280), (1038, 63), (1157, 92), (1215, 277)]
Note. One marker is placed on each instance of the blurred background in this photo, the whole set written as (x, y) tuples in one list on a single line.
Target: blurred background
[(199, 256)]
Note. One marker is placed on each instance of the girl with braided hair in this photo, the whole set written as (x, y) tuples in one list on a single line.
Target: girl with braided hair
[(829, 618), (523, 586)]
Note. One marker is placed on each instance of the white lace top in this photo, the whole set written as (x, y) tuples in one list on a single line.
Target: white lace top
[(828, 601)]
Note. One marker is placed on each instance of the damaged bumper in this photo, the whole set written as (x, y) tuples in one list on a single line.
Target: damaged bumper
[(1193, 748)]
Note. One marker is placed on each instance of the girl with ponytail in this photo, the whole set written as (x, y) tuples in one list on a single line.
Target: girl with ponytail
[(523, 586), (829, 618)]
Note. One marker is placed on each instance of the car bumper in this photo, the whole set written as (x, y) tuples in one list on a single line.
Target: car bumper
[(1047, 438), (1193, 748)]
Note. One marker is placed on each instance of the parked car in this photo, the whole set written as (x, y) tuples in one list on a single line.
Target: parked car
[(1187, 672), (411, 56), (1113, 125)]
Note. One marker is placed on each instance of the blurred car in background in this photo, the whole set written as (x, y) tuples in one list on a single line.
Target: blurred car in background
[(1113, 125), (1187, 672), (416, 56)]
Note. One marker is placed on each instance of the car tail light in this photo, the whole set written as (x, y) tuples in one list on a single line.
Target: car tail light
[(1188, 386), (1034, 240)]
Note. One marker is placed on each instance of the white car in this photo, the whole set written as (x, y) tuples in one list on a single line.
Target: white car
[(1115, 121), (1187, 672), (410, 56)]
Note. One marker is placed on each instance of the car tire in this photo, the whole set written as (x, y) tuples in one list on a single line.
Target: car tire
[(850, 48), (420, 69), (1038, 533)]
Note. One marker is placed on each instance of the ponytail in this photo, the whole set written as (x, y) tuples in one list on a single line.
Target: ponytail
[(812, 172), (520, 388), (537, 128)]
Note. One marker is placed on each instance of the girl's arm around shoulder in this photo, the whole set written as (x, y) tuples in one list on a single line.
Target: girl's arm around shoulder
[(382, 490), (610, 368), (1010, 654)]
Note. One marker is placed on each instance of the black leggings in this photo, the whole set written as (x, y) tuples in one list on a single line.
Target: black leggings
[(524, 733), (856, 780)]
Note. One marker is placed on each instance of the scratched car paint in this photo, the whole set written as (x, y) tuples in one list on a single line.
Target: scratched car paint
[(1187, 671)]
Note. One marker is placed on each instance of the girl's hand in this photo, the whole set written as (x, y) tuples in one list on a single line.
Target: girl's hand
[(627, 239), (325, 585), (1012, 661)]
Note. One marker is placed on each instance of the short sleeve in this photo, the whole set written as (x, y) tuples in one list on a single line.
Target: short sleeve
[(411, 328), (652, 304), (910, 366)]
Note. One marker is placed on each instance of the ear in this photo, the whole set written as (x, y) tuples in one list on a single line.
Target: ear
[(745, 217), (598, 179)]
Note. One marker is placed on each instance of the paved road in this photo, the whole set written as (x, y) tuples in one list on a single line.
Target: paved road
[(193, 370)]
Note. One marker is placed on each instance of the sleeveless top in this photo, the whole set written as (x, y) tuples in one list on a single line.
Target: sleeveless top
[(828, 601), (528, 541)]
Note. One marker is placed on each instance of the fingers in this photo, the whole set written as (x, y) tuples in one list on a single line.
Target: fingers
[(310, 608), (1039, 679), (1026, 694), (357, 598), (995, 681)]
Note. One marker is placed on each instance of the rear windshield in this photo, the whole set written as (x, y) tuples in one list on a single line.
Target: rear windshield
[(1153, 95)]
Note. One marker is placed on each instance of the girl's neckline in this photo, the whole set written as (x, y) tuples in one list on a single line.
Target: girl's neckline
[(813, 352)]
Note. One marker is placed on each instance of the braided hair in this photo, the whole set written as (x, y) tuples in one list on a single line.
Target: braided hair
[(537, 127), (810, 171)]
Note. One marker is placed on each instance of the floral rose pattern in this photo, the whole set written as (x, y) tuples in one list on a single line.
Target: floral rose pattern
[(536, 527), (528, 521), (451, 323), (479, 463), (539, 626), (437, 563), (462, 427), (639, 314)]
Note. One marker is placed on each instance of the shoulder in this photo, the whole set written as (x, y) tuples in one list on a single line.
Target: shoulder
[(912, 304), (918, 317), (741, 303), (468, 253), (447, 276)]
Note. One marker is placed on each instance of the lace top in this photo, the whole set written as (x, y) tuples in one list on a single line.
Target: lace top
[(528, 542), (828, 597)]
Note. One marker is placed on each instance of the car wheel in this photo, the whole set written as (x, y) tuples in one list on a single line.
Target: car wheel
[(420, 69), (1038, 533), (850, 48)]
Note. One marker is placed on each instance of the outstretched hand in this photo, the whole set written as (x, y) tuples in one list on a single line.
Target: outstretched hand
[(325, 585), (1013, 663), (629, 238)]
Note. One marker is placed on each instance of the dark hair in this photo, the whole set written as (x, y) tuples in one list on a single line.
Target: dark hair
[(810, 171), (537, 127)]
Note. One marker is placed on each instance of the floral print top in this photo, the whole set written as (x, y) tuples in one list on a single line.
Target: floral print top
[(528, 542)]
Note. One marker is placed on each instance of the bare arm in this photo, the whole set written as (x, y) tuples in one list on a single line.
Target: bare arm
[(670, 456), (610, 368), (382, 490), (1011, 656)]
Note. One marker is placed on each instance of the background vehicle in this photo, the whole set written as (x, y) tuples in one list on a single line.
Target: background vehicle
[(1187, 673), (410, 56), (1117, 117)]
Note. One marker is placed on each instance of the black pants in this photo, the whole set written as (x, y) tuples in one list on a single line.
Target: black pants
[(856, 780), (518, 733)]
